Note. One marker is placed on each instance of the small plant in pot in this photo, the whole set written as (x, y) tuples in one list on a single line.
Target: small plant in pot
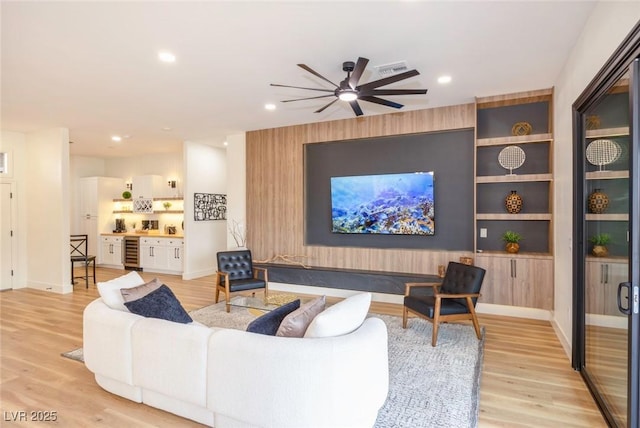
[(600, 242), (512, 240), (166, 205)]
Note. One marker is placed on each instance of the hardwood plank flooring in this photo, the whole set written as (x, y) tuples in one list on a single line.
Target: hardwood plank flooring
[(527, 380)]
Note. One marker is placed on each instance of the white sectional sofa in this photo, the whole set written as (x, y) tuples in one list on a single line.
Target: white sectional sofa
[(232, 378)]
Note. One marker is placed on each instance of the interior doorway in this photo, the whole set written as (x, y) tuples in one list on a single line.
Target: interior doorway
[(6, 240)]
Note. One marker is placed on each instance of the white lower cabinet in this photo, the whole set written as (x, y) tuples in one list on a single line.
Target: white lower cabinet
[(111, 251), (161, 254)]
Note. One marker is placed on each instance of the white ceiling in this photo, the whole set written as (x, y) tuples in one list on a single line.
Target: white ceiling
[(92, 67)]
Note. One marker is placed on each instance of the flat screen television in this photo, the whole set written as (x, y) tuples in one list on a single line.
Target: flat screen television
[(398, 204)]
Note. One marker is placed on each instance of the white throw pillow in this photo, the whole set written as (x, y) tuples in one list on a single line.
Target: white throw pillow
[(341, 318), (110, 290)]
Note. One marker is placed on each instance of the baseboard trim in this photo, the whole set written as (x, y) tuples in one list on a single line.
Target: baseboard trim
[(199, 274), (54, 288), (514, 311)]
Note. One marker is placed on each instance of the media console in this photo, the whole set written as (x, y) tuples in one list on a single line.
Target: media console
[(345, 279)]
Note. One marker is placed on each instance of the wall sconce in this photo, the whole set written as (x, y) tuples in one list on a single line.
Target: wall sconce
[(172, 183), (129, 186)]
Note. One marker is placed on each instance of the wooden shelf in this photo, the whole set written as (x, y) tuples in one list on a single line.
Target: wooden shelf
[(606, 175), (507, 216), (608, 132), (171, 198), (607, 217), (524, 139), (522, 255), (513, 178), (155, 212)]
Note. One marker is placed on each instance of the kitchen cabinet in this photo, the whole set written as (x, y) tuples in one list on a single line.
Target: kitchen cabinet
[(111, 251), (602, 279), (517, 280), (96, 208), (161, 254)]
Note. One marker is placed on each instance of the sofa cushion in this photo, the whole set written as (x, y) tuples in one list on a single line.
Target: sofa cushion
[(268, 323), (135, 293), (110, 290), (341, 318), (295, 324), (160, 303)]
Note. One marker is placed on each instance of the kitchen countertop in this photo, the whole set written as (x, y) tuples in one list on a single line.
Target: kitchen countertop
[(155, 234)]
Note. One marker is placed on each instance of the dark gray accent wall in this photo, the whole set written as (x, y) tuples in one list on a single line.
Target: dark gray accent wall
[(498, 121), (448, 154)]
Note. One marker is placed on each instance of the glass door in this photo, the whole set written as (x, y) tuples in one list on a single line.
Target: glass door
[(607, 236), (606, 256)]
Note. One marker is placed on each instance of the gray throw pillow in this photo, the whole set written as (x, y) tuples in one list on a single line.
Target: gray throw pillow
[(296, 323), (268, 323), (135, 293)]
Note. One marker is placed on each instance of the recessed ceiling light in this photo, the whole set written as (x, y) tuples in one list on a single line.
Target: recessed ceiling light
[(166, 56), (166, 128), (225, 143), (116, 138), (444, 79), (270, 106)]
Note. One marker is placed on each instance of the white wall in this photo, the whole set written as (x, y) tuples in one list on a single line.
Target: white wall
[(47, 210), (205, 172), (607, 26), (15, 144), (236, 185)]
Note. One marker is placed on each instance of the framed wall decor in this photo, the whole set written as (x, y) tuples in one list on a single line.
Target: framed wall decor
[(209, 206)]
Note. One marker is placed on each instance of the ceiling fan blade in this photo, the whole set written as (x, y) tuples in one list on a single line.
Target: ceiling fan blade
[(394, 92), (381, 101), (302, 87), (388, 80), (357, 72), (308, 98), (315, 73), (356, 107), (320, 110)]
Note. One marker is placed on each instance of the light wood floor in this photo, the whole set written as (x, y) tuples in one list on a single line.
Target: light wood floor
[(527, 380)]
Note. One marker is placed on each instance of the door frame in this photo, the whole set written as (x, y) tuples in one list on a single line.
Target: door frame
[(615, 67)]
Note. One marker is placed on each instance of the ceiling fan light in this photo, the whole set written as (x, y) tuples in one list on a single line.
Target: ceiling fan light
[(348, 96)]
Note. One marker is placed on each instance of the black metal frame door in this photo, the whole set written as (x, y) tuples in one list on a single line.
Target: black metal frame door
[(624, 63)]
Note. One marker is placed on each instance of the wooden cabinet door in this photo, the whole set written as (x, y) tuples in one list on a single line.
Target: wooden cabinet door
[(496, 287), (533, 284)]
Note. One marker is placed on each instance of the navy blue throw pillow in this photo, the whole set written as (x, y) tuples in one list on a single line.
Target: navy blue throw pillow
[(268, 323), (160, 303)]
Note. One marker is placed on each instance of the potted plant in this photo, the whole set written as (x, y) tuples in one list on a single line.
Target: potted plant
[(166, 205), (600, 242), (512, 240), (126, 194)]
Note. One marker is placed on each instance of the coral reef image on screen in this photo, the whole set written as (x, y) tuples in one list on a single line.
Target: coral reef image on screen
[(401, 204)]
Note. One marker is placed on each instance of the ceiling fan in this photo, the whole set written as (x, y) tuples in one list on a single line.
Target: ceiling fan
[(348, 90)]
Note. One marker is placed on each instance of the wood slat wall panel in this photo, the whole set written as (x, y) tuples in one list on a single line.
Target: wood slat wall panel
[(275, 188)]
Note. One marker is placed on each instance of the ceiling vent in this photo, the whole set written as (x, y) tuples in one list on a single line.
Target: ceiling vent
[(394, 68)]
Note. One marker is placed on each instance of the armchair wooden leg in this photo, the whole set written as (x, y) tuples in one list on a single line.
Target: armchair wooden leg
[(228, 304), (434, 337), (474, 318), (217, 294), (404, 317)]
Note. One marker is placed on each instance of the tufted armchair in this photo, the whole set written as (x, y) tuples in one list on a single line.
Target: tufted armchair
[(237, 273), (452, 300)]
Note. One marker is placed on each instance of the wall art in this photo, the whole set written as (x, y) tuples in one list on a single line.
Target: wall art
[(209, 206)]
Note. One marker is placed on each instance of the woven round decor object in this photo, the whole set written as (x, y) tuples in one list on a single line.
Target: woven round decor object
[(513, 202), (603, 152), (598, 201), (521, 128), (511, 157), (592, 122)]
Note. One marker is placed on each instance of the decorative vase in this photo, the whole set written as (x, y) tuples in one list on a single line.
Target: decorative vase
[(600, 251), (598, 202), (512, 247), (513, 202)]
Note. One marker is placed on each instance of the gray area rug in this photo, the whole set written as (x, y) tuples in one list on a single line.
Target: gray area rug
[(428, 387)]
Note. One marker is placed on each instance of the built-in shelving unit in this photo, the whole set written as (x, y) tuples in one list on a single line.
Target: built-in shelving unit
[(526, 278), (129, 209)]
